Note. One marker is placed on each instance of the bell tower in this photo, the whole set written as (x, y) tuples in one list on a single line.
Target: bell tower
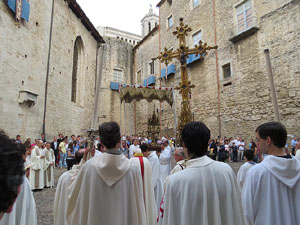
[(149, 21)]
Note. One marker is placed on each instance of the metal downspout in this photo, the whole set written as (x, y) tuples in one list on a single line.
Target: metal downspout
[(48, 69)]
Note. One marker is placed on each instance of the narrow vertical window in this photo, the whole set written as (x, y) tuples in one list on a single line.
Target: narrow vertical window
[(170, 21), (151, 67), (196, 38), (118, 76), (76, 66), (226, 71), (139, 76)]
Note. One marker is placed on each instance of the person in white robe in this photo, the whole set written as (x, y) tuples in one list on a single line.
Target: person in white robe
[(150, 153), (24, 210), (241, 175), (132, 147), (64, 188), (271, 190), (206, 191), (148, 190), (49, 166), (109, 188), (36, 176), (180, 163), (165, 160)]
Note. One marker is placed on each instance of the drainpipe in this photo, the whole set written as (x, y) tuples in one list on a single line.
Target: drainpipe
[(134, 102), (217, 68), (159, 47), (272, 85), (98, 83), (48, 69)]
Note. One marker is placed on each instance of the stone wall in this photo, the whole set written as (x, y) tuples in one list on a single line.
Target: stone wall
[(23, 66), (118, 55), (63, 115), (245, 97)]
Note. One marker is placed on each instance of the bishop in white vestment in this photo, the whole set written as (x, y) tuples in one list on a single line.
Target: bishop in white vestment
[(36, 176), (24, 209)]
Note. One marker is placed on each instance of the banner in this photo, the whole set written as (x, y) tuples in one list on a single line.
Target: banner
[(23, 9)]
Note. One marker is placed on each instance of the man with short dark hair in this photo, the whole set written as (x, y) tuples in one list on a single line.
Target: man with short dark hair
[(111, 189), (135, 143), (43, 138), (12, 173), (293, 144), (54, 146), (18, 139), (271, 190), (63, 153), (206, 191)]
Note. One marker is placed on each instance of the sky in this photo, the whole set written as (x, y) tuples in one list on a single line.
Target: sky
[(125, 15)]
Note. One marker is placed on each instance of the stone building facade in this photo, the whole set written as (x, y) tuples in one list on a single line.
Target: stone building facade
[(48, 68), (232, 92), (117, 70), (126, 36)]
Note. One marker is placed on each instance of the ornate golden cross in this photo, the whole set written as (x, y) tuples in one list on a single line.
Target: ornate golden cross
[(182, 53)]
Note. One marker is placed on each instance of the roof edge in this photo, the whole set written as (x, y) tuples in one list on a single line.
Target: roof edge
[(77, 10), (160, 3), (146, 37)]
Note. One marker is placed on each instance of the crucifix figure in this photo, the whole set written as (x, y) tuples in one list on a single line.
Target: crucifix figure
[(182, 53)]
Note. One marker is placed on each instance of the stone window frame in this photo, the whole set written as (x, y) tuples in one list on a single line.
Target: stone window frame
[(122, 75), (168, 17), (193, 3), (238, 4), (239, 35), (77, 69), (139, 78), (193, 34), (221, 70), (192, 6), (153, 67)]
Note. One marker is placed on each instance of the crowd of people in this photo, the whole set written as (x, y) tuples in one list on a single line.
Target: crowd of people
[(136, 180)]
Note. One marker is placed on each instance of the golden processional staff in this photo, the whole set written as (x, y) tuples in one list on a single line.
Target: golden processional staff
[(182, 53)]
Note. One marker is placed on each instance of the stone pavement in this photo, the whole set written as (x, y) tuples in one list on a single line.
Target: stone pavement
[(44, 199)]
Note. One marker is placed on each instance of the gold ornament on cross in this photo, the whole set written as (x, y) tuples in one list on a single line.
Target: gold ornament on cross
[(182, 53)]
